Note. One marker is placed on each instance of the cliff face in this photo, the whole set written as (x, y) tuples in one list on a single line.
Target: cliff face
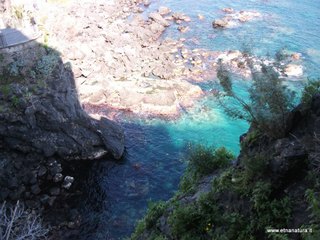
[(273, 184), (42, 124)]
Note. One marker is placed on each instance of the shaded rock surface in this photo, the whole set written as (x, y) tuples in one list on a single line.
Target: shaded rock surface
[(50, 120), (44, 130)]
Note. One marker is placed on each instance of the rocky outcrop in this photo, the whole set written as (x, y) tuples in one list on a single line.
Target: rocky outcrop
[(233, 19), (50, 121), (44, 129)]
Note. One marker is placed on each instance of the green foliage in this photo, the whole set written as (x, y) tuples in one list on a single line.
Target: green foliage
[(140, 228), (277, 236), (5, 90), (312, 197), (312, 88), (45, 66), (202, 161), (270, 212), (155, 210), (250, 138), (269, 102), (15, 101), (314, 201), (255, 166), (186, 221)]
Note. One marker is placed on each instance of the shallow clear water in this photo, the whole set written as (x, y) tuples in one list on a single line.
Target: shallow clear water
[(118, 192)]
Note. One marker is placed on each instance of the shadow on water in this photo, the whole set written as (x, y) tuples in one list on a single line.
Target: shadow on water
[(117, 193)]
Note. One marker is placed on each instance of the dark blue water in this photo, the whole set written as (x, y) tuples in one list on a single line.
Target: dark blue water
[(118, 192)]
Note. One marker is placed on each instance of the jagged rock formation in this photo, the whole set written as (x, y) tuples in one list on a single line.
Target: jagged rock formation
[(43, 126)]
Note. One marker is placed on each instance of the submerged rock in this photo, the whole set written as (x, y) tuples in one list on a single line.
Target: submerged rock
[(232, 18), (293, 70)]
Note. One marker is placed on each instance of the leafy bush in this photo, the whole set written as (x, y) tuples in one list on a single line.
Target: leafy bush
[(18, 224), (269, 100), (186, 221), (312, 88), (202, 161), (155, 210), (255, 166), (45, 66)]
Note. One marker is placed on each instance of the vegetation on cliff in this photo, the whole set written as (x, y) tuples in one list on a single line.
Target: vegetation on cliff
[(272, 186)]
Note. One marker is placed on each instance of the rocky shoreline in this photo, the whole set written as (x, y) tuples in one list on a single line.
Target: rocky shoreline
[(124, 63), (106, 55)]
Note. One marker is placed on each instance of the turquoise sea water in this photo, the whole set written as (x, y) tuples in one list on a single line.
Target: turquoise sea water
[(117, 193)]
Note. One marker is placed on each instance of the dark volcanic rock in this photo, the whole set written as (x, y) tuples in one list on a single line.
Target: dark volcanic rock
[(52, 122), (44, 130)]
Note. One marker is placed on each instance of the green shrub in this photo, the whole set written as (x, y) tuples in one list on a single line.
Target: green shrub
[(186, 222), (255, 166), (45, 65), (139, 229), (269, 101), (202, 161), (312, 88), (155, 210), (268, 211)]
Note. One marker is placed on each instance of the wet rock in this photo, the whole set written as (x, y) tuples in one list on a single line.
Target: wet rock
[(245, 16), (159, 19), (295, 56), (183, 29), (233, 19), (293, 70), (146, 3), (180, 17), (220, 23), (228, 10), (164, 11), (58, 177), (67, 182), (55, 168)]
